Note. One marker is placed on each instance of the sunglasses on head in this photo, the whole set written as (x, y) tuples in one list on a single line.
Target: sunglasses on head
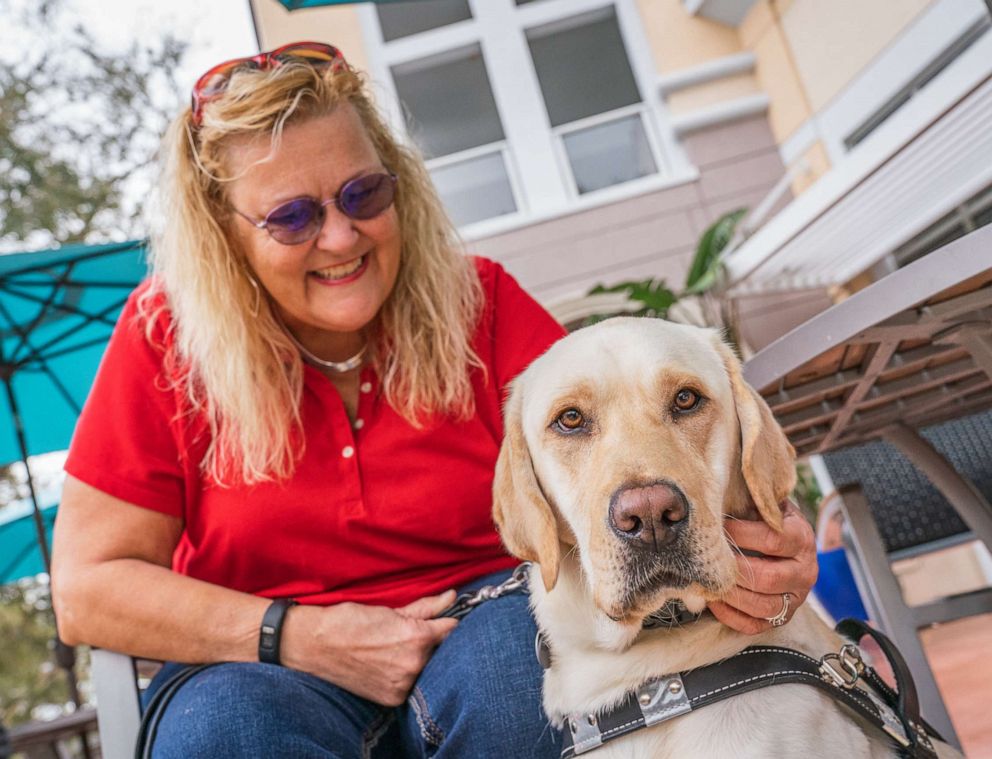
[(215, 81), (300, 220)]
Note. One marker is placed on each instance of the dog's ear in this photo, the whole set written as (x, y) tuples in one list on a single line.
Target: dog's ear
[(767, 457), (521, 512)]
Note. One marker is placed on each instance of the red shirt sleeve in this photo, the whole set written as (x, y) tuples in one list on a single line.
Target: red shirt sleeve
[(522, 329), (126, 442)]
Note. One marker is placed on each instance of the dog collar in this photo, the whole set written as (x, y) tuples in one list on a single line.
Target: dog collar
[(672, 614)]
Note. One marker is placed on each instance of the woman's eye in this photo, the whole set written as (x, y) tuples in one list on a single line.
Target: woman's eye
[(686, 399), (570, 420)]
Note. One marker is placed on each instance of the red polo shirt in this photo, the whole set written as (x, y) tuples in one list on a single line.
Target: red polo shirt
[(377, 512)]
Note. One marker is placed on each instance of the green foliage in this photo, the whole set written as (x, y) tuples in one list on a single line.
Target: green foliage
[(807, 493), (78, 130), (654, 295), (706, 263), (28, 675)]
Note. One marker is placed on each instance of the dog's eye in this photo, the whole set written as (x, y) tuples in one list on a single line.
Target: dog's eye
[(570, 420), (686, 400)]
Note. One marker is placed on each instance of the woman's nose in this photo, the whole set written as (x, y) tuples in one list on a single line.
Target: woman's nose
[(337, 232)]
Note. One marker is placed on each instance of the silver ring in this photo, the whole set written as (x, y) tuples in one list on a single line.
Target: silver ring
[(783, 616)]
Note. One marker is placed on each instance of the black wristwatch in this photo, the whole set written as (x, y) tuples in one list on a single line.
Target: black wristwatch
[(271, 631)]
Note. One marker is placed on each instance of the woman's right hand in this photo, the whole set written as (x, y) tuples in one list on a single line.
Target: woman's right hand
[(371, 651)]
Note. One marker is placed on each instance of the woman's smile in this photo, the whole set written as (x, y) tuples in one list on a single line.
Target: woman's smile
[(340, 274)]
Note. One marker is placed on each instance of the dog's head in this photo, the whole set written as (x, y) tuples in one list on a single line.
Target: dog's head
[(628, 442)]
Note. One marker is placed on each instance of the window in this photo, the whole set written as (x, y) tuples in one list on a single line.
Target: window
[(452, 116), (401, 20), (524, 108), (584, 73)]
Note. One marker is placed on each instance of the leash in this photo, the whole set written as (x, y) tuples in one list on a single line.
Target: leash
[(843, 676), (466, 602)]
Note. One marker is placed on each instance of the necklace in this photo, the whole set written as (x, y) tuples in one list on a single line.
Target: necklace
[(338, 367)]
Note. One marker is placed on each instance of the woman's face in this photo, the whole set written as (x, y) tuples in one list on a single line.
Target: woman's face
[(329, 288)]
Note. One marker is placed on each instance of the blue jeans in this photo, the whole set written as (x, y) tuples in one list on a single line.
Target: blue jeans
[(478, 696)]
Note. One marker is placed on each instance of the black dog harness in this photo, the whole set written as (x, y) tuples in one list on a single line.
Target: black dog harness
[(843, 676)]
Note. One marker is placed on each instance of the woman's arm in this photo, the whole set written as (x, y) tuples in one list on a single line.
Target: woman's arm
[(113, 587)]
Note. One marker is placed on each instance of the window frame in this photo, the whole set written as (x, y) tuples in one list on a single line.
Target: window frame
[(535, 157)]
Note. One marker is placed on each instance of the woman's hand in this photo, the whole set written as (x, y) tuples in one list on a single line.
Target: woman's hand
[(371, 651), (787, 566)]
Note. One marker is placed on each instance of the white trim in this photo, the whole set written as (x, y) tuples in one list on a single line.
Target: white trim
[(896, 134), (799, 142), (921, 41), (721, 113), (615, 194), (600, 118), (718, 68)]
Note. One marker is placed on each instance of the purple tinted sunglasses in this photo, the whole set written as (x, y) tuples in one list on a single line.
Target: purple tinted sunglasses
[(300, 220)]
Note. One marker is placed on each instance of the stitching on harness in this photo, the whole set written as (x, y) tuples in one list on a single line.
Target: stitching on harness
[(429, 729), (774, 650), (592, 741), (762, 676)]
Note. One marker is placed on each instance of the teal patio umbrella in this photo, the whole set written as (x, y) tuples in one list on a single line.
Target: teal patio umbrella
[(20, 555), (57, 310)]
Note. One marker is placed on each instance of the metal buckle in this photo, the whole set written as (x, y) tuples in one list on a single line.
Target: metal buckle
[(467, 601), (515, 581), (585, 732), (663, 699), (851, 667)]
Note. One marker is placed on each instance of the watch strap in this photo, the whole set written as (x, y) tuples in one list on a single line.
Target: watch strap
[(270, 633)]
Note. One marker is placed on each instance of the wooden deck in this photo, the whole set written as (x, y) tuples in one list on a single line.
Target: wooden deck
[(958, 654)]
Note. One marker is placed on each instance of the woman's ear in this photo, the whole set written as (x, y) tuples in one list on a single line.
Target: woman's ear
[(767, 456), (523, 515)]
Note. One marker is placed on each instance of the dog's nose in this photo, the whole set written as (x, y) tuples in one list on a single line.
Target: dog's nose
[(650, 517)]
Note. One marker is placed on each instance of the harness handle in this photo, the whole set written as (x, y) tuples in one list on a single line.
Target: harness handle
[(907, 702)]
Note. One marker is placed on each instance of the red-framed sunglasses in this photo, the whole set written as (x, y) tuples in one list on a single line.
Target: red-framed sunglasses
[(215, 81)]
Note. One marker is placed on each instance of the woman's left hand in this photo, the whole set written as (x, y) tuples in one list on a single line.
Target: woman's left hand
[(787, 566)]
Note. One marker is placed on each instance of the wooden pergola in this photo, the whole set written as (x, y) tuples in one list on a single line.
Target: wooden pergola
[(910, 351)]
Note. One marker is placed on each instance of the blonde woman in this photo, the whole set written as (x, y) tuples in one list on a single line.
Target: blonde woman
[(285, 463)]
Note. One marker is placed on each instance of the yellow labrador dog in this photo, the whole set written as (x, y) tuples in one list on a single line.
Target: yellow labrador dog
[(626, 444)]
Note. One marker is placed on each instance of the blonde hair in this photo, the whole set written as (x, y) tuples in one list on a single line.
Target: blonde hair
[(232, 359)]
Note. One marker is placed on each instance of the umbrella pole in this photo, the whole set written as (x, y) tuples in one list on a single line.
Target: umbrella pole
[(64, 655), (39, 522)]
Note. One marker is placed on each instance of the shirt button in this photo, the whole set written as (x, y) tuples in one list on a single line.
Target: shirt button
[(365, 387), (359, 423), (348, 452)]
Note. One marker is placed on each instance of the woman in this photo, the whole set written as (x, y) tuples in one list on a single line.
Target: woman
[(303, 403)]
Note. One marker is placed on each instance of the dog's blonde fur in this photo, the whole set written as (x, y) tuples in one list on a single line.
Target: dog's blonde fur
[(728, 456)]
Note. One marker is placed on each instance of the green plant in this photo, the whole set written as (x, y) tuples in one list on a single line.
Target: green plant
[(807, 493), (653, 294), (657, 299), (705, 269)]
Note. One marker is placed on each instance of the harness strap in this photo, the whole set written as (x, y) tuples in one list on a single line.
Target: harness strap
[(662, 699)]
